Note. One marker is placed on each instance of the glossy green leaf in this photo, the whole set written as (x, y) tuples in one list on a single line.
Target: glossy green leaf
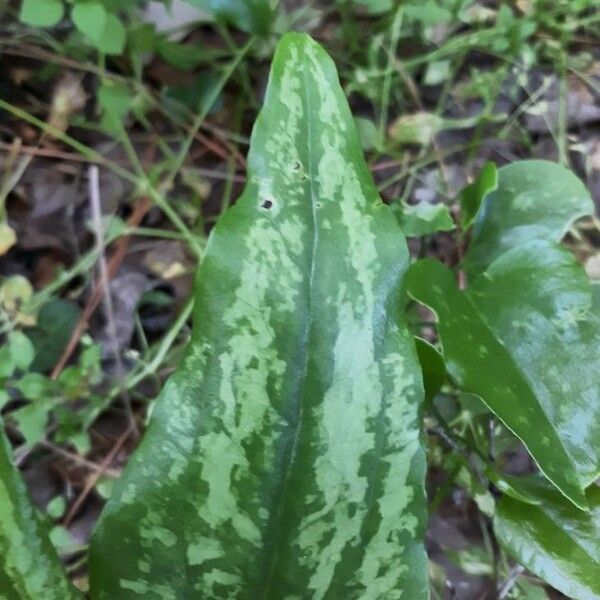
[(554, 540), (29, 567), (524, 339), (535, 199), (284, 459), (524, 336)]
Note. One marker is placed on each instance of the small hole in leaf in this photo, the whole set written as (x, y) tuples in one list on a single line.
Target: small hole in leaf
[(267, 204)]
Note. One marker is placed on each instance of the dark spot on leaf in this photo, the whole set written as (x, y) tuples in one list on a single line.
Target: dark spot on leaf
[(267, 204)]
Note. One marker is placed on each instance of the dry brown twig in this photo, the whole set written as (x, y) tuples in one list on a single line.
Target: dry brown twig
[(92, 480)]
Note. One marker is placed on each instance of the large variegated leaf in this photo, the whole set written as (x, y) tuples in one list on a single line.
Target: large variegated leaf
[(525, 339), (554, 540), (29, 567), (284, 459)]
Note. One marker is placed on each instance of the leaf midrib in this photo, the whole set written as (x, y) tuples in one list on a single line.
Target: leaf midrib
[(273, 559)]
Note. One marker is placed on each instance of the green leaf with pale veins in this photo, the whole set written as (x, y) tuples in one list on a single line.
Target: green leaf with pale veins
[(554, 540), (29, 567), (535, 199), (284, 459)]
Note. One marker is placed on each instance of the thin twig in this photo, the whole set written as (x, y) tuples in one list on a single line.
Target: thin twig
[(46, 152), (506, 587), (93, 479), (79, 460), (140, 208), (94, 193)]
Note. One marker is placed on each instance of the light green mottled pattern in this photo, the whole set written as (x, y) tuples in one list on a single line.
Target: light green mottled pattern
[(284, 459), (29, 567)]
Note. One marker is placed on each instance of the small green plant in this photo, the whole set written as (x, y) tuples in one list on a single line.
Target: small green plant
[(285, 458), (101, 23)]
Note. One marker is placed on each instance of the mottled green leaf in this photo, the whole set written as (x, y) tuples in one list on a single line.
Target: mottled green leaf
[(284, 459), (554, 540), (471, 197), (524, 339), (29, 567), (535, 199)]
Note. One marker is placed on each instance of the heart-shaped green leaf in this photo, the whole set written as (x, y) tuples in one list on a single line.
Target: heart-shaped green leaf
[(29, 567), (284, 459), (554, 540)]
